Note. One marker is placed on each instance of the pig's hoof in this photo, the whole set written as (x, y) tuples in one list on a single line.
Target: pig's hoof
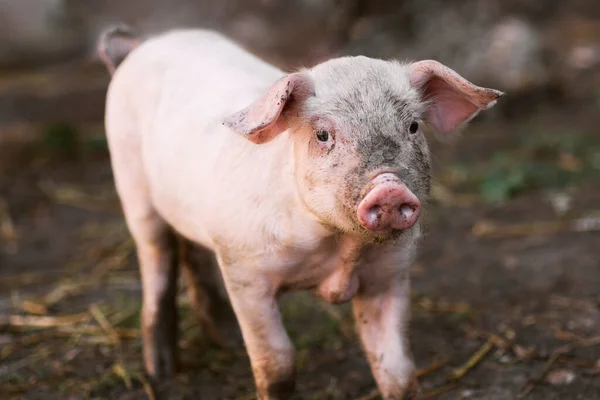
[(413, 391), (409, 391)]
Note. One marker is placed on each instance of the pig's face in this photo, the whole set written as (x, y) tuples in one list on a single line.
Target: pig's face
[(361, 160), (364, 120)]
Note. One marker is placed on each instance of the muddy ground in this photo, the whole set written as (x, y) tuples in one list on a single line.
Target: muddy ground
[(506, 300)]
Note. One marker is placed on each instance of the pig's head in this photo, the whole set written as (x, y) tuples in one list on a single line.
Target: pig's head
[(360, 157)]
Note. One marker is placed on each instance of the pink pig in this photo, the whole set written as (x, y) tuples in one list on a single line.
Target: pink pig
[(311, 180)]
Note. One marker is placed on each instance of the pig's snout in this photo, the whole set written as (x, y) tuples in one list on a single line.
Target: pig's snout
[(388, 205)]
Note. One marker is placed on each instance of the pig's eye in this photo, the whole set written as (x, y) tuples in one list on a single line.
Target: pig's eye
[(322, 136), (414, 127)]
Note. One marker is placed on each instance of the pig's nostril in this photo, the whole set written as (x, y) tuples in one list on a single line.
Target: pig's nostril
[(375, 212), (407, 211)]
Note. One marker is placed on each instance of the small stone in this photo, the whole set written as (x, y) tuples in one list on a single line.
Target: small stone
[(510, 334), (560, 377), (505, 359), (561, 202)]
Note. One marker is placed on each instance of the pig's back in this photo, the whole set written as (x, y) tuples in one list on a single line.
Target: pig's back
[(175, 89), (192, 70)]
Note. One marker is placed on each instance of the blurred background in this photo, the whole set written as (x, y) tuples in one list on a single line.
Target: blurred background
[(506, 289)]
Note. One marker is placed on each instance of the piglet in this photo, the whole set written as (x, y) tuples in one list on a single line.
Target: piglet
[(312, 180)]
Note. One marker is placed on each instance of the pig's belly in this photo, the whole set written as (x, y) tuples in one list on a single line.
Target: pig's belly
[(180, 215), (178, 185), (182, 208)]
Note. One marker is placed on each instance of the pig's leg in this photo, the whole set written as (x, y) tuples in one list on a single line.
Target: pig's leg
[(270, 350), (157, 255), (381, 310), (207, 295)]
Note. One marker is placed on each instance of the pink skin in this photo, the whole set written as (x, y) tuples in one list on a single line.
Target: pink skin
[(388, 205)]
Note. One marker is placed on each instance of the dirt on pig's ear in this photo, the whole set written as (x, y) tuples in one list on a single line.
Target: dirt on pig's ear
[(265, 118)]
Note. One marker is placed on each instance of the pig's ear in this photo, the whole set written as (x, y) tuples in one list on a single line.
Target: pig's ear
[(264, 119), (452, 99)]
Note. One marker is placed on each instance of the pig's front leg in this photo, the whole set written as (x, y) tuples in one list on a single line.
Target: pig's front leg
[(270, 350), (381, 310)]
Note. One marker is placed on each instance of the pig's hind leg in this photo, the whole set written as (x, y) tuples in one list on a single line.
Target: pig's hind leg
[(207, 295), (157, 253)]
